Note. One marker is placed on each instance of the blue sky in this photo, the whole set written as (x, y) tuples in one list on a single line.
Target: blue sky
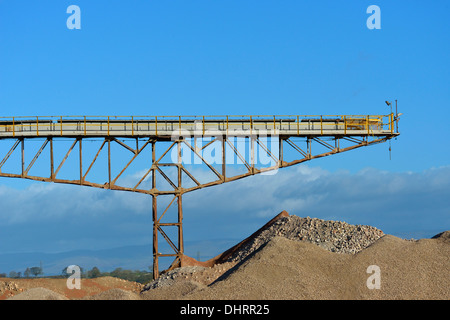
[(233, 57)]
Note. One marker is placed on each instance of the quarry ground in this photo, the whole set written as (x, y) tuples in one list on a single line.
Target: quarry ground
[(291, 258)]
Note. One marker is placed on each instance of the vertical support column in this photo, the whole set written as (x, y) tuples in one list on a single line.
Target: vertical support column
[(180, 207), (155, 236), (22, 141), (52, 167), (81, 162), (308, 147), (180, 229), (109, 159), (155, 218), (177, 220), (321, 125), (252, 154), (345, 125), (280, 150), (224, 166)]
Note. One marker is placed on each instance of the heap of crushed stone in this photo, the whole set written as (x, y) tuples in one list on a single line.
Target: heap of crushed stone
[(38, 293), (169, 278), (284, 269), (201, 276), (335, 236)]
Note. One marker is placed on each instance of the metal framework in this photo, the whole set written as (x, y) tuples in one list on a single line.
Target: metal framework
[(231, 142)]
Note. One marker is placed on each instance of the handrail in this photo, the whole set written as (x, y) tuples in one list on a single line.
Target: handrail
[(78, 117), (40, 124)]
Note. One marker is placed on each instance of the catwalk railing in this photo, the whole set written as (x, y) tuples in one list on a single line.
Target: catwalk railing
[(167, 126)]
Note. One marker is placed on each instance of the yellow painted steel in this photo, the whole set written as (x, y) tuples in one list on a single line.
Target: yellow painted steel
[(392, 123), (367, 124), (227, 125), (321, 126), (203, 125), (345, 124)]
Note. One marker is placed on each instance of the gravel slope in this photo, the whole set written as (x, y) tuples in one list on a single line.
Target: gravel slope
[(293, 258), (308, 258), (335, 236), (287, 269)]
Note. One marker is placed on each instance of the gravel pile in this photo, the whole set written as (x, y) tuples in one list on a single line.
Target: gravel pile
[(284, 269), (169, 278), (114, 294), (38, 294), (196, 274), (335, 236)]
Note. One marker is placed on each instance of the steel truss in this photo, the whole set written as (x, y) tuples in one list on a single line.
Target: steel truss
[(184, 148)]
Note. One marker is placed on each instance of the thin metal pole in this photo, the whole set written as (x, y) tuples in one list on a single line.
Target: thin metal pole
[(368, 128), (396, 117), (224, 166), (81, 160), (252, 154), (280, 150), (321, 126), (308, 147), (227, 125), (109, 162), (345, 124), (23, 155), (52, 168)]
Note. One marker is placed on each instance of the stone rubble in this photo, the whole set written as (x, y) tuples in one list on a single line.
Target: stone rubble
[(9, 288), (335, 236)]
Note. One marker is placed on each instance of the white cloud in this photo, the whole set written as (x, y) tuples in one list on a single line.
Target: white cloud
[(396, 201), (390, 200)]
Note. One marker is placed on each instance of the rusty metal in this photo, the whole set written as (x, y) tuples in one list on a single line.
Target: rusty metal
[(350, 129)]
